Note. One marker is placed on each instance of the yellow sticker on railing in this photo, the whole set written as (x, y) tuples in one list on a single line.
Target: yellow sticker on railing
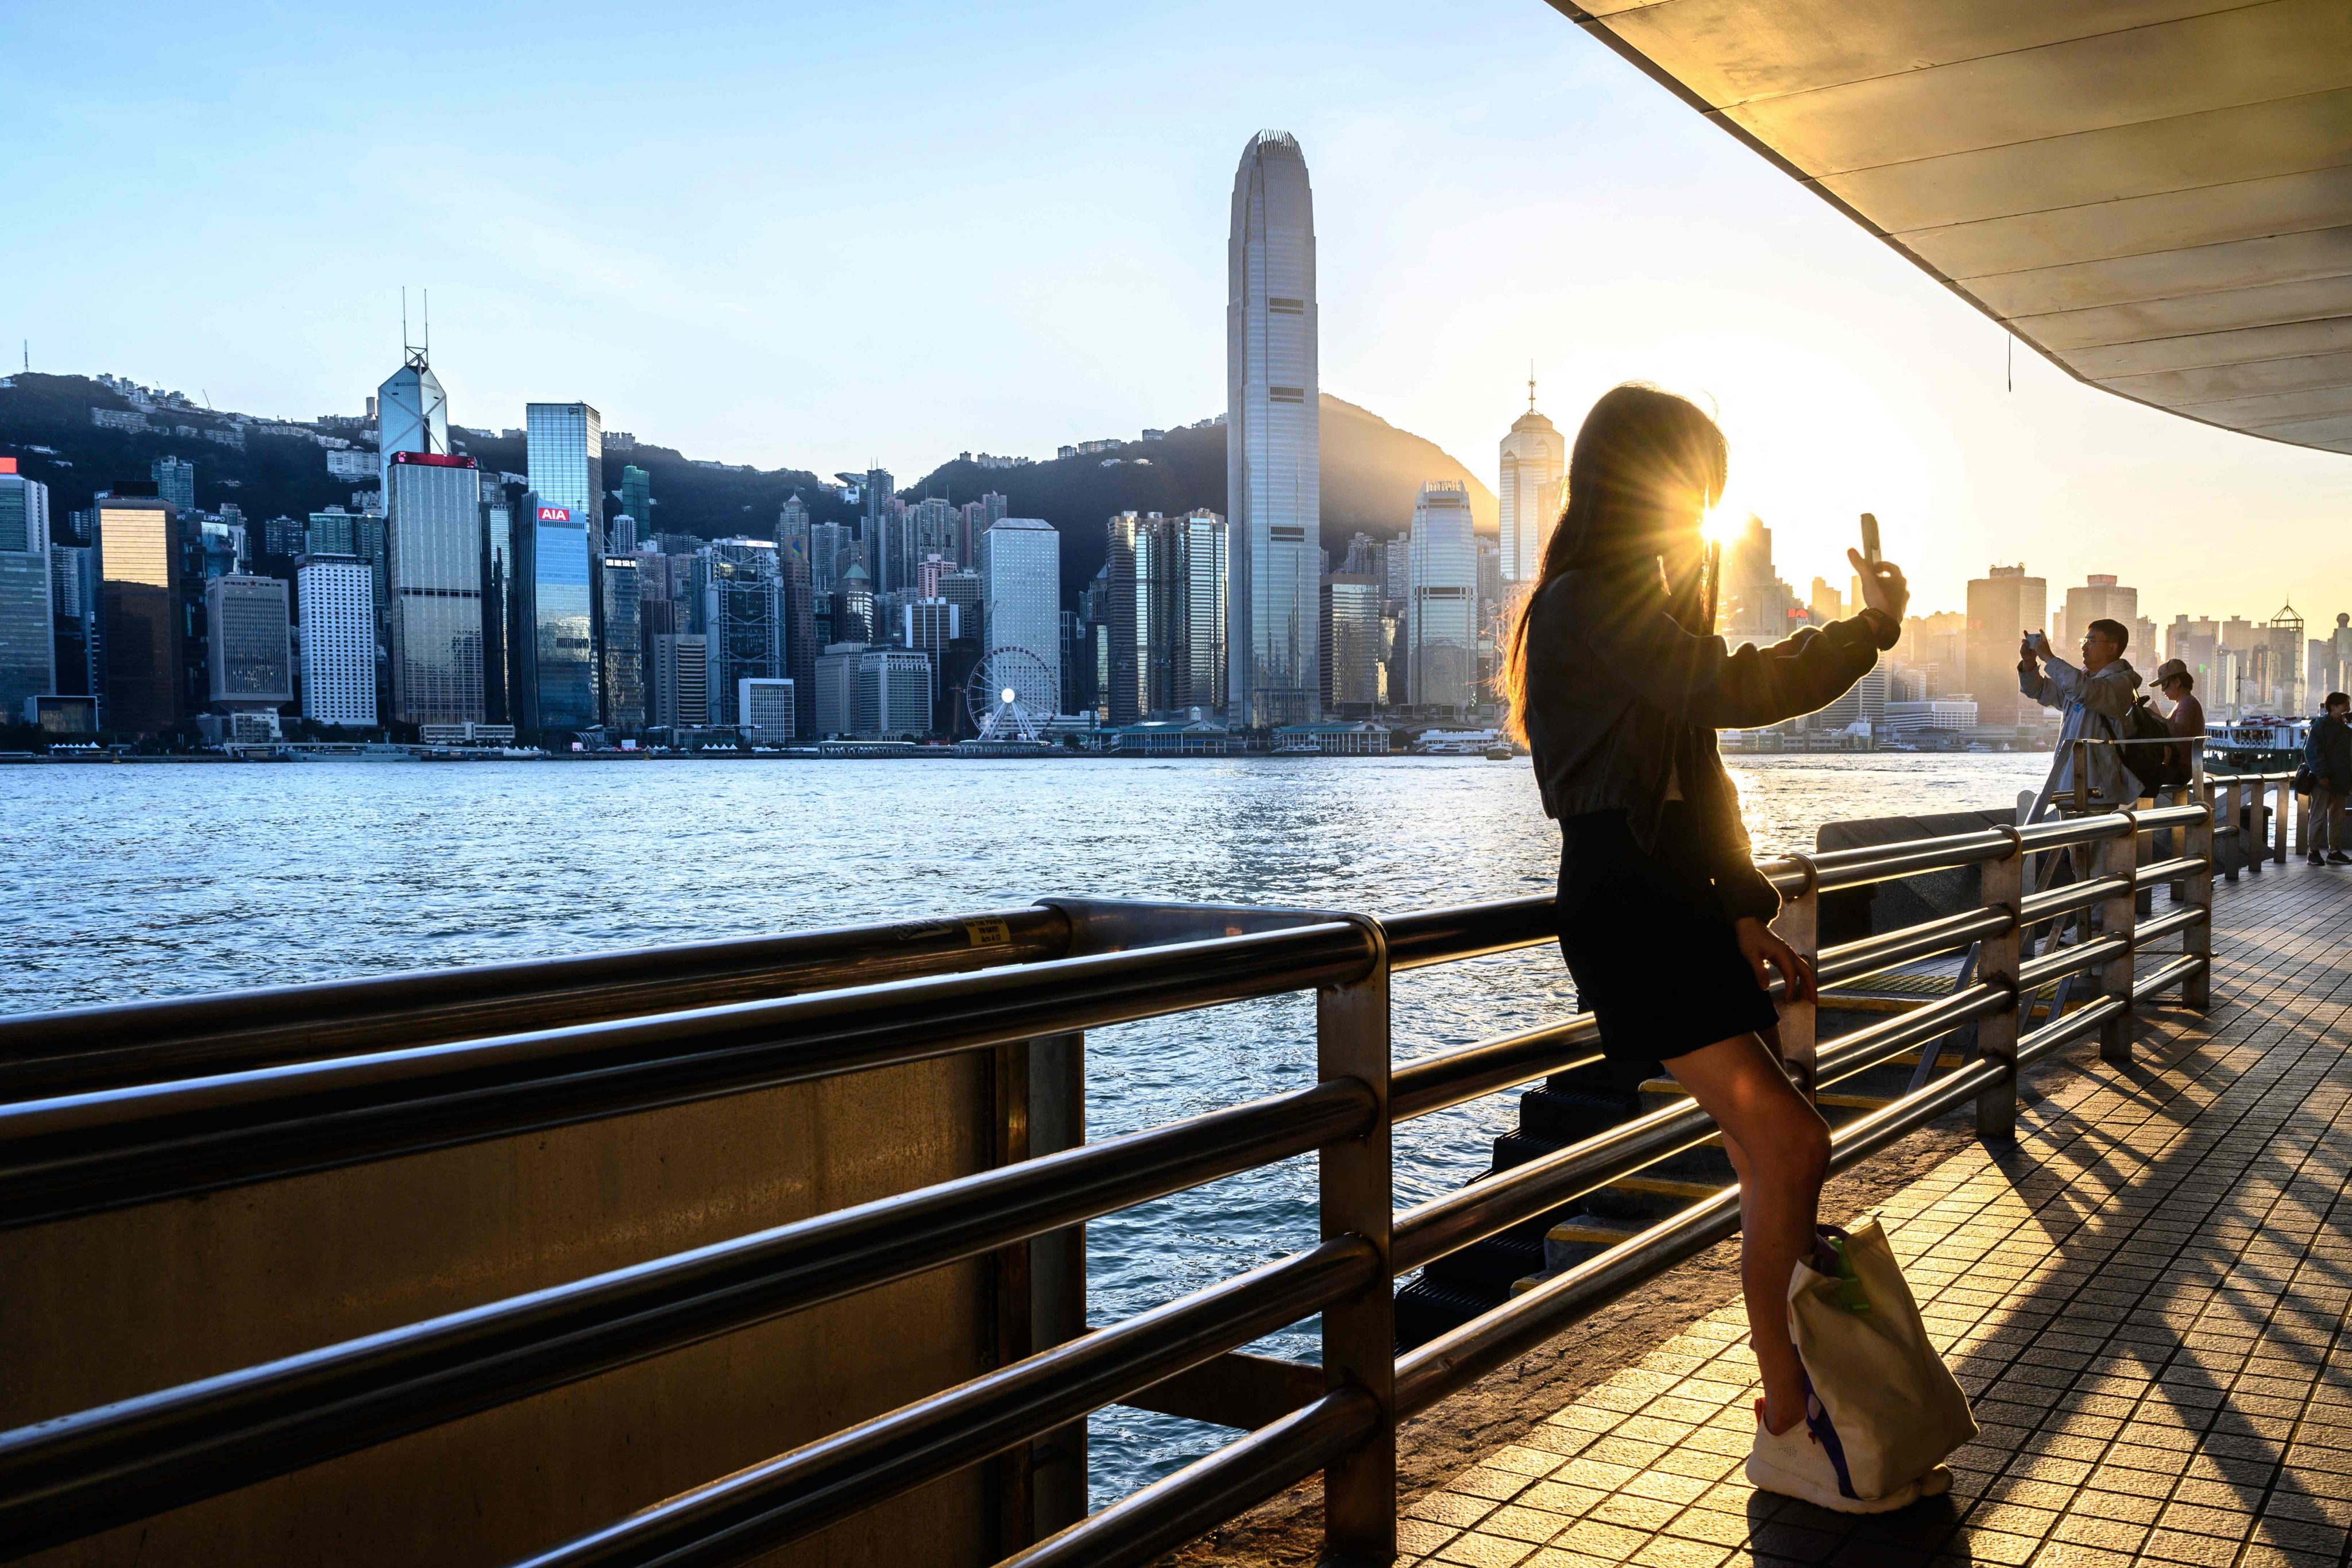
[(988, 933)]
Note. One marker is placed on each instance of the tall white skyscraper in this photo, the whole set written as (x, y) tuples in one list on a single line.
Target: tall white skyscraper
[(337, 596), (1020, 599), (1273, 440), (1441, 625), (412, 415), (433, 561), (1535, 467), (27, 649)]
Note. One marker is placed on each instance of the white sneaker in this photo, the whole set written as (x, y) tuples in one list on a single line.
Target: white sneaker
[(1793, 1463)]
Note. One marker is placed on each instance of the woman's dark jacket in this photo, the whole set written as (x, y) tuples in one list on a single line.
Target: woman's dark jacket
[(1620, 698)]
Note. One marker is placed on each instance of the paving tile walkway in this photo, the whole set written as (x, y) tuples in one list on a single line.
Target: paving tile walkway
[(2146, 1297)]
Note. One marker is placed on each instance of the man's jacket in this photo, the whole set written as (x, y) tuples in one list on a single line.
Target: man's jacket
[(2327, 752), (1622, 703), (2094, 706)]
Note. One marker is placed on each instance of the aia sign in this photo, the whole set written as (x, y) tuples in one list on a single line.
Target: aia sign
[(555, 514)]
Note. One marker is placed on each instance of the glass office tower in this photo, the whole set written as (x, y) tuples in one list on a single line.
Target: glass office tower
[(1443, 616), (1021, 600), (623, 664), (28, 642), (1273, 439), (565, 452), (140, 615), (412, 415), (557, 690), (435, 564), (249, 620), (498, 604)]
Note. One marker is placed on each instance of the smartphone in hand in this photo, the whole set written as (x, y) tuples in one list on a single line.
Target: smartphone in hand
[(1870, 538)]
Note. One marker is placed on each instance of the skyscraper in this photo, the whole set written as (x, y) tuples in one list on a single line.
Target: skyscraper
[(412, 415), (176, 482), (1020, 599), (434, 559), (1442, 619), (139, 614), (637, 500), (337, 597), (621, 665), (2002, 605), (252, 664), (1273, 439), (564, 448), (28, 642), (1532, 491), (681, 683), (743, 614), (1351, 643), (556, 689), (500, 505)]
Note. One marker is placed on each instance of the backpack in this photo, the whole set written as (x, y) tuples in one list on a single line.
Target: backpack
[(2157, 767)]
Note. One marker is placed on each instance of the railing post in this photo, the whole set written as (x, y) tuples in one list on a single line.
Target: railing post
[(2255, 837), (2196, 990), (1057, 1275), (1013, 1309), (2119, 856), (1799, 924), (1357, 1197), (2229, 804), (2285, 813), (1996, 956)]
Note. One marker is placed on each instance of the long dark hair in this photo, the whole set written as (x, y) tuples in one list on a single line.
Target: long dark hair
[(1645, 464)]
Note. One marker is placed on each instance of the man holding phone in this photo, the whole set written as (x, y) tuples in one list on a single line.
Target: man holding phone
[(2095, 697)]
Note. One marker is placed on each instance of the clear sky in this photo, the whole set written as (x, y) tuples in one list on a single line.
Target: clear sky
[(827, 234)]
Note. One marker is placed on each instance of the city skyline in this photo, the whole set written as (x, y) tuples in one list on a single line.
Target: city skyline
[(1539, 198)]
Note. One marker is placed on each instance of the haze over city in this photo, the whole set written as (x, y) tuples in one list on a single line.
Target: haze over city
[(832, 236)]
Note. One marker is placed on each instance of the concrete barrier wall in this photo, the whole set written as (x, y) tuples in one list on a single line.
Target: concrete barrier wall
[(99, 1309)]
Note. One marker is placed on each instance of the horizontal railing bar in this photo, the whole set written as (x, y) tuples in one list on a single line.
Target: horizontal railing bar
[(1469, 931), (120, 1147), (99, 1467), (2040, 907), (764, 1506), (80, 1048), (1886, 949), (1431, 1083), (1489, 1206), (2170, 921), (2175, 870), (2167, 976), (1235, 1389), (2035, 973), (1501, 1335), (1880, 863), (2084, 1020), (1147, 1524)]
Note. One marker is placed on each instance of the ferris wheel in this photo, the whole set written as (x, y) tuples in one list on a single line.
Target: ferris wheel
[(1010, 695)]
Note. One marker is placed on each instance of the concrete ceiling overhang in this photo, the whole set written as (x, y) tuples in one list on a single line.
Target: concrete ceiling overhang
[(2155, 194)]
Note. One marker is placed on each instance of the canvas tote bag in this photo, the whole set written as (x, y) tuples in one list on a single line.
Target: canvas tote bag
[(1891, 1408)]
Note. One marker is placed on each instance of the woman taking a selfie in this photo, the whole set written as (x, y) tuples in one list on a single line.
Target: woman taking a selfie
[(1619, 683)]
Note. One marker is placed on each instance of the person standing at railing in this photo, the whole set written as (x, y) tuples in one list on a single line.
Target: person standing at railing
[(2095, 699), (2328, 753), (1618, 684)]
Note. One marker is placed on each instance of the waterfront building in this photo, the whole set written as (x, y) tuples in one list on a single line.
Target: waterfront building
[(564, 452), (30, 614), (767, 708), (803, 632), (743, 616), (2101, 598), (557, 687), (1864, 702), (893, 694), (621, 667), (1532, 490), (412, 415), (2003, 605), (433, 622), (336, 594), (1020, 599), (176, 482), (1752, 605), (833, 547), (836, 689), (1273, 439), (140, 613), (681, 683), (931, 529), (1827, 603), (928, 625), (854, 614), (501, 503), (621, 534), (249, 624), (1953, 716), (638, 501), (1166, 605), (795, 533), (1353, 653), (1442, 616)]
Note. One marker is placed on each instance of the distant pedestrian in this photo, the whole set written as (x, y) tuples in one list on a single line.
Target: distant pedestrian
[(2096, 700), (2187, 719), (2328, 755)]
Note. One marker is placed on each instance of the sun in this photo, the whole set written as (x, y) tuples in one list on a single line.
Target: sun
[(1724, 520)]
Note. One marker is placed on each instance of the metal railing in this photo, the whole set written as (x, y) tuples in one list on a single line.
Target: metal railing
[(105, 1112)]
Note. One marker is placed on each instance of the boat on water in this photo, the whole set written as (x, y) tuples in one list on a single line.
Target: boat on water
[(2258, 744)]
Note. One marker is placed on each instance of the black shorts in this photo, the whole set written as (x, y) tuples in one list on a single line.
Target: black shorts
[(1655, 959)]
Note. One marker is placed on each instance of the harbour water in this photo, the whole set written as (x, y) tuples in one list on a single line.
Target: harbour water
[(123, 882)]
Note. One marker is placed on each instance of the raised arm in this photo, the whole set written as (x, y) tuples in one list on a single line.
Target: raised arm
[(1623, 620)]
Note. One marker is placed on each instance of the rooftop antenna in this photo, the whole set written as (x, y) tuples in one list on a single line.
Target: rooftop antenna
[(1531, 386), (428, 324)]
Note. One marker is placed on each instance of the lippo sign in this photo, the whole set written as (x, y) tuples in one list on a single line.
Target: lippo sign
[(555, 514)]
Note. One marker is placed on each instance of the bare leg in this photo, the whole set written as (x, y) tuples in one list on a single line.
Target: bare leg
[(1780, 1147)]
